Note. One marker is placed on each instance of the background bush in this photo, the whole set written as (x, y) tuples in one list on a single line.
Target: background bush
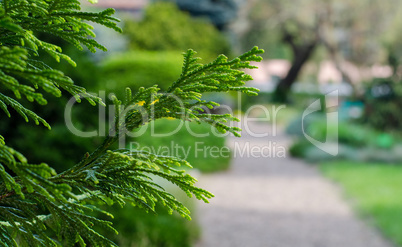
[(140, 229), (136, 69), (355, 141), (383, 105), (165, 27)]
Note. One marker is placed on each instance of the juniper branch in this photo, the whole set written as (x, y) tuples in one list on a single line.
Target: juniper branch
[(36, 200)]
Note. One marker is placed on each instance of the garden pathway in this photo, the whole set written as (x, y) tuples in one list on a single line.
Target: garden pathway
[(277, 202)]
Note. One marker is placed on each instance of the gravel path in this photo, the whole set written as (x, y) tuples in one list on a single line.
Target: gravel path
[(277, 202)]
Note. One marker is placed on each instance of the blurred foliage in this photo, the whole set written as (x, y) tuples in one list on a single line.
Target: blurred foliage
[(272, 41), (362, 32), (383, 105), (336, 23), (165, 27), (375, 192), (140, 229), (299, 148), (296, 100), (391, 41), (137, 69), (355, 141), (348, 133)]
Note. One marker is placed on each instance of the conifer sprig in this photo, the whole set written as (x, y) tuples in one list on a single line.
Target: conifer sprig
[(126, 176), (19, 20), (41, 208)]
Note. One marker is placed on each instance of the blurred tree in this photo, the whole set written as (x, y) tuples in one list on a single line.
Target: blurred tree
[(137, 69), (391, 41), (165, 27), (346, 29)]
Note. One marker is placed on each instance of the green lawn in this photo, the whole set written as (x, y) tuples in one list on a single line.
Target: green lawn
[(375, 190)]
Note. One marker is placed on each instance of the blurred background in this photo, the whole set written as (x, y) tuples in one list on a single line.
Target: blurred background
[(312, 48)]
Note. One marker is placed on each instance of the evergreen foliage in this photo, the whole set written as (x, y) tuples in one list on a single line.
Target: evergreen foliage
[(39, 207)]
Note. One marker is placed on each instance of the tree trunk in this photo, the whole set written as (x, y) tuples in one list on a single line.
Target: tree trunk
[(337, 60), (301, 56)]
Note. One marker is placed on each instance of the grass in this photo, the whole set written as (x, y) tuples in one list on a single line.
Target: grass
[(375, 189)]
